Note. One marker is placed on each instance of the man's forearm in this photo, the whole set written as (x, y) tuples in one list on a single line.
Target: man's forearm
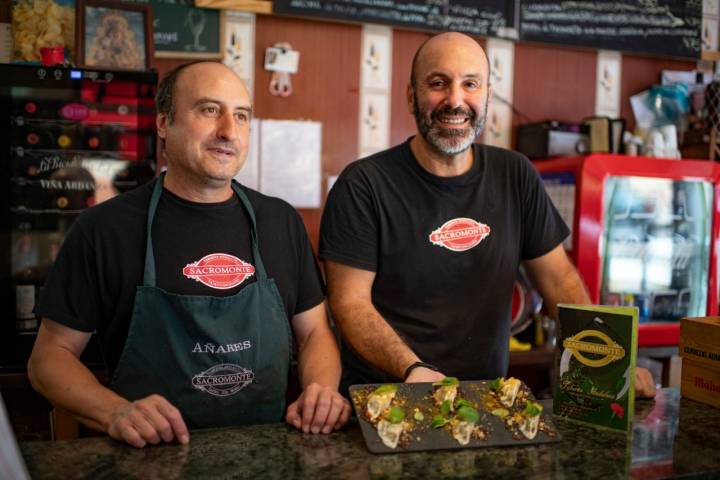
[(68, 384), (369, 335), (319, 359)]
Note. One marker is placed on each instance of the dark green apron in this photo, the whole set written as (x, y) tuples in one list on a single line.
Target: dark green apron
[(220, 360)]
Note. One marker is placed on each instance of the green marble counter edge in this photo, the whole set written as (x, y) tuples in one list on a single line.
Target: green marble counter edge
[(278, 451)]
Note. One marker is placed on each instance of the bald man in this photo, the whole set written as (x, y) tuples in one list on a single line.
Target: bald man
[(198, 289), (422, 242)]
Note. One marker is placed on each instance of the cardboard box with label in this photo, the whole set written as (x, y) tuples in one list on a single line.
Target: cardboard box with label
[(700, 350)]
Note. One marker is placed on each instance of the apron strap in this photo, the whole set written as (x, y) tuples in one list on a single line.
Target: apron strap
[(259, 266), (149, 278)]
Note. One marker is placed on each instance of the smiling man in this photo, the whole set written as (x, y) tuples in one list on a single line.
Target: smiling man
[(422, 242), (196, 287)]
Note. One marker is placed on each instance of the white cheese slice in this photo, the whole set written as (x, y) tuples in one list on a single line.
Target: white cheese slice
[(390, 432), (529, 426), (508, 391), (446, 393), (462, 431), (378, 403)]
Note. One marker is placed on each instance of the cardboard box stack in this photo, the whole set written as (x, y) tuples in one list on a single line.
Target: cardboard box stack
[(700, 351)]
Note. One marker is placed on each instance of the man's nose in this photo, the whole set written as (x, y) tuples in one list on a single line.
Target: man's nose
[(454, 96), (226, 127)]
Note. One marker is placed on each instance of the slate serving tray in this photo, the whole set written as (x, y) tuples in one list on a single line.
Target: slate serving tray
[(411, 396)]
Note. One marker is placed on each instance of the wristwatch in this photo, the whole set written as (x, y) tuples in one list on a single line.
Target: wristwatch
[(417, 365)]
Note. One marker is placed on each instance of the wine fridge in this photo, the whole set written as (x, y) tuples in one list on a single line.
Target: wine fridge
[(73, 138)]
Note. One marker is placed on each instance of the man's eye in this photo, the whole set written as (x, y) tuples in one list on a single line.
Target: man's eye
[(242, 116), (472, 84), (210, 110)]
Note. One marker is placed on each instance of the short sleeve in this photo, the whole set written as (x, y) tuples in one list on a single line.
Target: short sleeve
[(72, 291), (310, 286), (543, 227), (349, 227)]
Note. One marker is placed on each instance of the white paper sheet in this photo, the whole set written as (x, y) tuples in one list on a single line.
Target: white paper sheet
[(249, 174), (290, 161), (239, 45), (607, 84)]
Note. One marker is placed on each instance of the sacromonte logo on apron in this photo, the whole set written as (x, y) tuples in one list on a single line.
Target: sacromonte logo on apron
[(223, 380), (219, 270)]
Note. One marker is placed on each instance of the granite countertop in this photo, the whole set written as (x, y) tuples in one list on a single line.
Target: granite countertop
[(672, 436)]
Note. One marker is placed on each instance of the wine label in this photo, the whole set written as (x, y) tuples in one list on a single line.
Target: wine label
[(26, 325), (24, 302)]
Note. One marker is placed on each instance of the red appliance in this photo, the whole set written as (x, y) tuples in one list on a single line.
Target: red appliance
[(645, 232)]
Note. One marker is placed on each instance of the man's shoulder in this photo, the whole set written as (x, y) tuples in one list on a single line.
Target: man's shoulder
[(381, 163), (118, 212), (271, 210), (498, 153)]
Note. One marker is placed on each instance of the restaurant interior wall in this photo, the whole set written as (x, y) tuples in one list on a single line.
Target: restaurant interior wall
[(550, 82)]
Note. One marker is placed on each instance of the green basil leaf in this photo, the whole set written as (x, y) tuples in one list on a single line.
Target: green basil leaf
[(468, 414), (500, 412), (532, 409), (396, 415), (385, 389), (438, 421), (461, 402), (447, 382), (445, 407), (496, 384)]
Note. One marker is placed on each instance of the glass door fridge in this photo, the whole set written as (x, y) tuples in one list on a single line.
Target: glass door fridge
[(644, 233)]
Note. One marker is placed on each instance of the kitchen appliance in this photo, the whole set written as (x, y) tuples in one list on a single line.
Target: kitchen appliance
[(645, 232), (74, 138), (552, 138)]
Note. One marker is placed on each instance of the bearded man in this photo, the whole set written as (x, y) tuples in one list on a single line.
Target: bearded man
[(422, 242)]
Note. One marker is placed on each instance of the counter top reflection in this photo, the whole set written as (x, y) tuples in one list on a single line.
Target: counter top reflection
[(672, 436)]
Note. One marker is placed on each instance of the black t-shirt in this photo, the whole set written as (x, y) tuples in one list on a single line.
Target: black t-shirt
[(446, 251), (92, 283)]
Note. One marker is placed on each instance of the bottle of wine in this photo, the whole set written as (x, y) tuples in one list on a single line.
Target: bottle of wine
[(26, 293)]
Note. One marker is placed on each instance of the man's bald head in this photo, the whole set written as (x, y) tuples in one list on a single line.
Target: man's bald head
[(165, 96), (444, 44)]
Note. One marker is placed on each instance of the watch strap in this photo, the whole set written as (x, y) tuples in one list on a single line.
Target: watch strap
[(415, 365)]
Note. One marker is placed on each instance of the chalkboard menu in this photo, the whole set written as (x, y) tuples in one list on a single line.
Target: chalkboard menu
[(486, 18), (663, 27), (181, 30)]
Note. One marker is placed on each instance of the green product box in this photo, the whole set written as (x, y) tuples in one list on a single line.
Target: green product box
[(596, 372)]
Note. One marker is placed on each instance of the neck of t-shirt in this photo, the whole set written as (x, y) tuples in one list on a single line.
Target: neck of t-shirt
[(455, 180), (230, 202)]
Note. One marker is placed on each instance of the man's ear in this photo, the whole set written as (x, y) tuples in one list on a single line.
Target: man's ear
[(161, 122), (410, 99)]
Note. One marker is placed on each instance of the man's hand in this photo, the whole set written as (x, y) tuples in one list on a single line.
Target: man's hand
[(422, 374), (644, 383), (318, 409), (148, 420)]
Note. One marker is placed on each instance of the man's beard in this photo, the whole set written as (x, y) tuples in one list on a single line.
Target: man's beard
[(449, 141)]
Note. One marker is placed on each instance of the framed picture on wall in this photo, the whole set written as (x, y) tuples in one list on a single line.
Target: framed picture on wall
[(113, 35), (181, 30)]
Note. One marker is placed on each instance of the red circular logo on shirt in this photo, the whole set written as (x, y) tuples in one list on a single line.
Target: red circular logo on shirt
[(219, 270), (459, 234)]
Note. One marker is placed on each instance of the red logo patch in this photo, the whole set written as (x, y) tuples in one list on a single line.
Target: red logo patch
[(219, 270), (459, 234)]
